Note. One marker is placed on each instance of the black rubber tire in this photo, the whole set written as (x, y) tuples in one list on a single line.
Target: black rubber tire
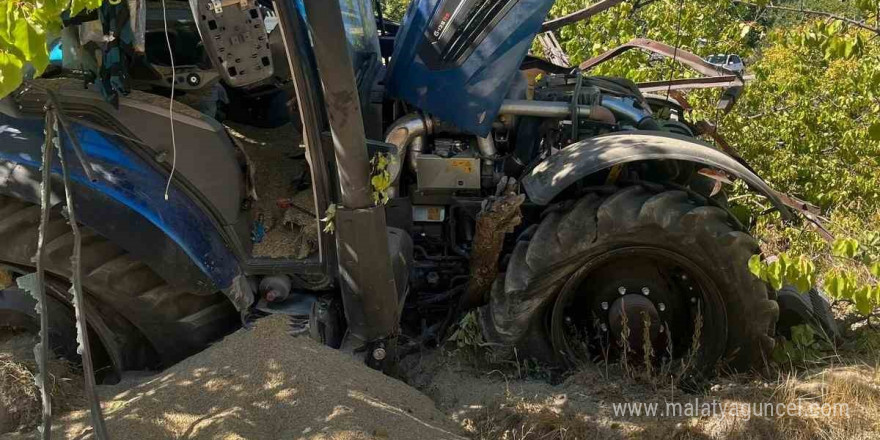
[(813, 309), (573, 233), (151, 324)]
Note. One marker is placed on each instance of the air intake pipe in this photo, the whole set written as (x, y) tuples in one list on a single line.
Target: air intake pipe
[(629, 109)]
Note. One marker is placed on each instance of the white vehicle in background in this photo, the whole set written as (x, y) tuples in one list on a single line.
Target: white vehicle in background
[(729, 62)]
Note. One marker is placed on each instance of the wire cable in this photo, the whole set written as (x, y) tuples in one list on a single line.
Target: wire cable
[(171, 102), (677, 44)]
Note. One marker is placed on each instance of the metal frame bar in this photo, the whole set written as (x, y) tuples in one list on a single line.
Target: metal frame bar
[(307, 88), (366, 277), (684, 57), (342, 102), (709, 82)]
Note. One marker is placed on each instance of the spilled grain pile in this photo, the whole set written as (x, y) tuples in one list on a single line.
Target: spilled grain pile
[(265, 384)]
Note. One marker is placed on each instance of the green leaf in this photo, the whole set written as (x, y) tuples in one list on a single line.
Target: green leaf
[(874, 129), (848, 48), (845, 248), (330, 219), (756, 266), (77, 6), (5, 20), (863, 298), (802, 284), (875, 269), (776, 274), (32, 44), (835, 286), (744, 31), (803, 335), (10, 73)]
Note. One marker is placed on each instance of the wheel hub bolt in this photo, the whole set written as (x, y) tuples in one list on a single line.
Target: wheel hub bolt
[(379, 354), (604, 327), (693, 300), (621, 290), (568, 319), (604, 305), (662, 328), (646, 291), (661, 307)]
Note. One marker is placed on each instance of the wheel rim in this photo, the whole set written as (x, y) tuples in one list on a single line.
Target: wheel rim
[(637, 294)]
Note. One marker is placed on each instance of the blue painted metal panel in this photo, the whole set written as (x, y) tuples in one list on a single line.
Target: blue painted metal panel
[(128, 179), (457, 64)]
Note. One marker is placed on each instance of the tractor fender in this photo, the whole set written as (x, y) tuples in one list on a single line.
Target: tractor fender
[(579, 160), (177, 237)]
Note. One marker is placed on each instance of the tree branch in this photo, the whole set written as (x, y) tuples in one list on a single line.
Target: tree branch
[(580, 15), (860, 24)]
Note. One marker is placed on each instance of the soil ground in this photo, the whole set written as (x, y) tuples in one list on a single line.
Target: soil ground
[(264, 383)]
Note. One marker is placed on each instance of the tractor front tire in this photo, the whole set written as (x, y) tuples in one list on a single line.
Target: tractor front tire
[(661, 253)]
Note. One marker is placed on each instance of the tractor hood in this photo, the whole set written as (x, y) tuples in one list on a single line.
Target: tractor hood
[(456, 59)]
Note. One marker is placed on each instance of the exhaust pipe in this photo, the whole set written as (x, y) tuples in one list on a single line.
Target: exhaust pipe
[(407, 133)]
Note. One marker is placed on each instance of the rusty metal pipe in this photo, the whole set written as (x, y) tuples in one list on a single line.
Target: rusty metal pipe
[(602, 114)]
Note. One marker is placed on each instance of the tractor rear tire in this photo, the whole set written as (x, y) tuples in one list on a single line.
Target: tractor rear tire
[(599, 236), (145, 323)]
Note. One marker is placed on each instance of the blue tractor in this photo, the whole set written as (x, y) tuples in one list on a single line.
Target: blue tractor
[(446, 171)]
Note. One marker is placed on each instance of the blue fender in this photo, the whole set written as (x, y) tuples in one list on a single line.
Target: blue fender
[(126, 204), (579, 160)]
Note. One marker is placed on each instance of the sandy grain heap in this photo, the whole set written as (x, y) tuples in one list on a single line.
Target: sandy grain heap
[(265, 384)]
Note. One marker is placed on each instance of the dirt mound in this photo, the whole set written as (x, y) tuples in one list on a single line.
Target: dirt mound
[(265, 384)]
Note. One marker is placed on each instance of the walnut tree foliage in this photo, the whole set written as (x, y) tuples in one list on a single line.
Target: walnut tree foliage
[(810, 124), (25, 28)]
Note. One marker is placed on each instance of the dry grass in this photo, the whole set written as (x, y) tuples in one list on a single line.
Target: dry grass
[(20, 406), (832, 398), (857, 387), (520, 417), (19, 397)]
